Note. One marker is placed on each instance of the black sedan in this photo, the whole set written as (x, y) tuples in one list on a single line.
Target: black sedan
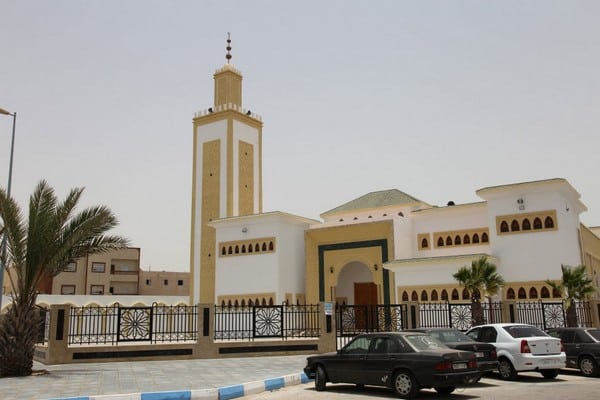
[(582, 346), (403, 361), (487, 359)]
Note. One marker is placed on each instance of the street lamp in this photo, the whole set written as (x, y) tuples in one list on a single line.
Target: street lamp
[(10, 167)]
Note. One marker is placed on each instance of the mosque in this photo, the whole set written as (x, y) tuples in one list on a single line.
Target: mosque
[(385, 247)]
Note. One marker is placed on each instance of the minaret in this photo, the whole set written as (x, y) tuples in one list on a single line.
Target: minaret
[(227, 173)]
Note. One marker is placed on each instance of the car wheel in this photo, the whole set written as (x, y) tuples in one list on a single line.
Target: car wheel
[(405, 385), (549, 373), (320, 378), (506, 369), (588, 366), (445, 389)]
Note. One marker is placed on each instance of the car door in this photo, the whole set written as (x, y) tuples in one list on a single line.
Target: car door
[(568, 340), (349, 366), (378, 365)]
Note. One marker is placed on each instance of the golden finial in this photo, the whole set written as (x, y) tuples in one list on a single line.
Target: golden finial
[(228, 56)]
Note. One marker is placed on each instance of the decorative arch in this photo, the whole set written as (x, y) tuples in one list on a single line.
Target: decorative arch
[(537, 223), (465, 294), (533, 293), (448, 241), (475, 238), (484, 238), (455, 295), (522, 294), (440, 242), (444, 295), (549, 223), (414, 296), (424, 296), (510, 294), (466, 239), (526, 224), (457, 240), (434, 295), (545, 293), (404, 296), (514, 226), (424, 243), (504, 226), (271, 246)]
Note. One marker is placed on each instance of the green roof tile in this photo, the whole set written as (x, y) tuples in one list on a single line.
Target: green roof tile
[(384, 198)]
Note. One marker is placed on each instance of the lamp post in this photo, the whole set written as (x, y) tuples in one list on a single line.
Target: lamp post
[(10, 167)]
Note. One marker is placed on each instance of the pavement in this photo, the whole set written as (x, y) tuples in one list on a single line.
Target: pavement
[(212, 379)]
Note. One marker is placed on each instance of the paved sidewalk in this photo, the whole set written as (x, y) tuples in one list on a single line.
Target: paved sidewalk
[(88, 380)]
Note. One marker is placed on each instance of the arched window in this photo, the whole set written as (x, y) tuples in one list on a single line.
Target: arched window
[(545, 293), (223, 251), (263, 302), (404, 296), (533, 294), (236, 304), (448, 241), (424, 243), (401, 214), (455, 294), (504, 226), (444, 295), (434, 295), (250, 248), (522, 294), (270, 301), (457, 240), (243, 248), (514, 226), (230, 250), (526, 225), (537, 223), (229, 303), (465, 294), (548, 223), (257, 247), (222, 303), (510, 294), (243, 302), (475, 238), (424, 296), (556, 293), (264, 246), (271, 246), (237, 249), (414, 296), (440, 242), (484, 238), (256, 302), (466, 239)]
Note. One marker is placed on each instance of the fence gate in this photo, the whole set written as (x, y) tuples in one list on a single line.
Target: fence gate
[(267, 321), (352, 320)]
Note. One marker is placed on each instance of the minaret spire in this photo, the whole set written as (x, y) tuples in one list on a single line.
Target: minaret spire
[(228, 55)]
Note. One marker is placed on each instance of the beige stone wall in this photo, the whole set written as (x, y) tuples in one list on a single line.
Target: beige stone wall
[(590, 249), (165, 283)]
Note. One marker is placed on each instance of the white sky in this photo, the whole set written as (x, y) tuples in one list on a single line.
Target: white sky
[(435, 98)]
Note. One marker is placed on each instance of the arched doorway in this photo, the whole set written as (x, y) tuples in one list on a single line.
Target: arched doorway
[(355, 285)]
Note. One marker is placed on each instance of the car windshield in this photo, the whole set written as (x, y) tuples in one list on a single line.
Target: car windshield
[(424, 342), (521, 331), (450, 336), (595, 333)]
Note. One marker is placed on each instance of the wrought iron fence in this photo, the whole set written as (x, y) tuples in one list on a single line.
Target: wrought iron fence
[(548, 314), (352, 320), (456, 315), (255, 322), (115, 324)]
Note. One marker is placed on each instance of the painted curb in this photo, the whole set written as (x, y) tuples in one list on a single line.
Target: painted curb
[(223, 393)]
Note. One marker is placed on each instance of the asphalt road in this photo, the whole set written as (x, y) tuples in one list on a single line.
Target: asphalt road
[(530, 386)]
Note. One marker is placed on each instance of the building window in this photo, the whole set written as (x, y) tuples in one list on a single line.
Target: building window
[(444, 295), (548, 223), (522, 294), (67, 289), (466, 239), (510, 294), (414, 296), (70, 267), (545, 293), (448, 241), (98, 267), (465, 294), (504, 226), (97, 289), (533, 294), (455, 294), (526, 225), (180, 282), (537, 223), (166, 282), (457, 240), (148, 282), (271, 247), (404, 296), (434, 295), (440, 242), (484, 238), (424, 243), (475, 238), (424, 295)]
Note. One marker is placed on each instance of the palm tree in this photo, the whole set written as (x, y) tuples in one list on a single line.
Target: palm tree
[(574, 286), (481, 280), (38, 249)]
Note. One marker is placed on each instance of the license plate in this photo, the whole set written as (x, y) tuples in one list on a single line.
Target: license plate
[(479, 354), (460, 366)]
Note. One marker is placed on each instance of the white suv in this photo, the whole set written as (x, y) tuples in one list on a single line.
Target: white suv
[(522, 347)]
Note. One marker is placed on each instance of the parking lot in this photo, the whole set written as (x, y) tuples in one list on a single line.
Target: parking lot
[(568, 385)]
